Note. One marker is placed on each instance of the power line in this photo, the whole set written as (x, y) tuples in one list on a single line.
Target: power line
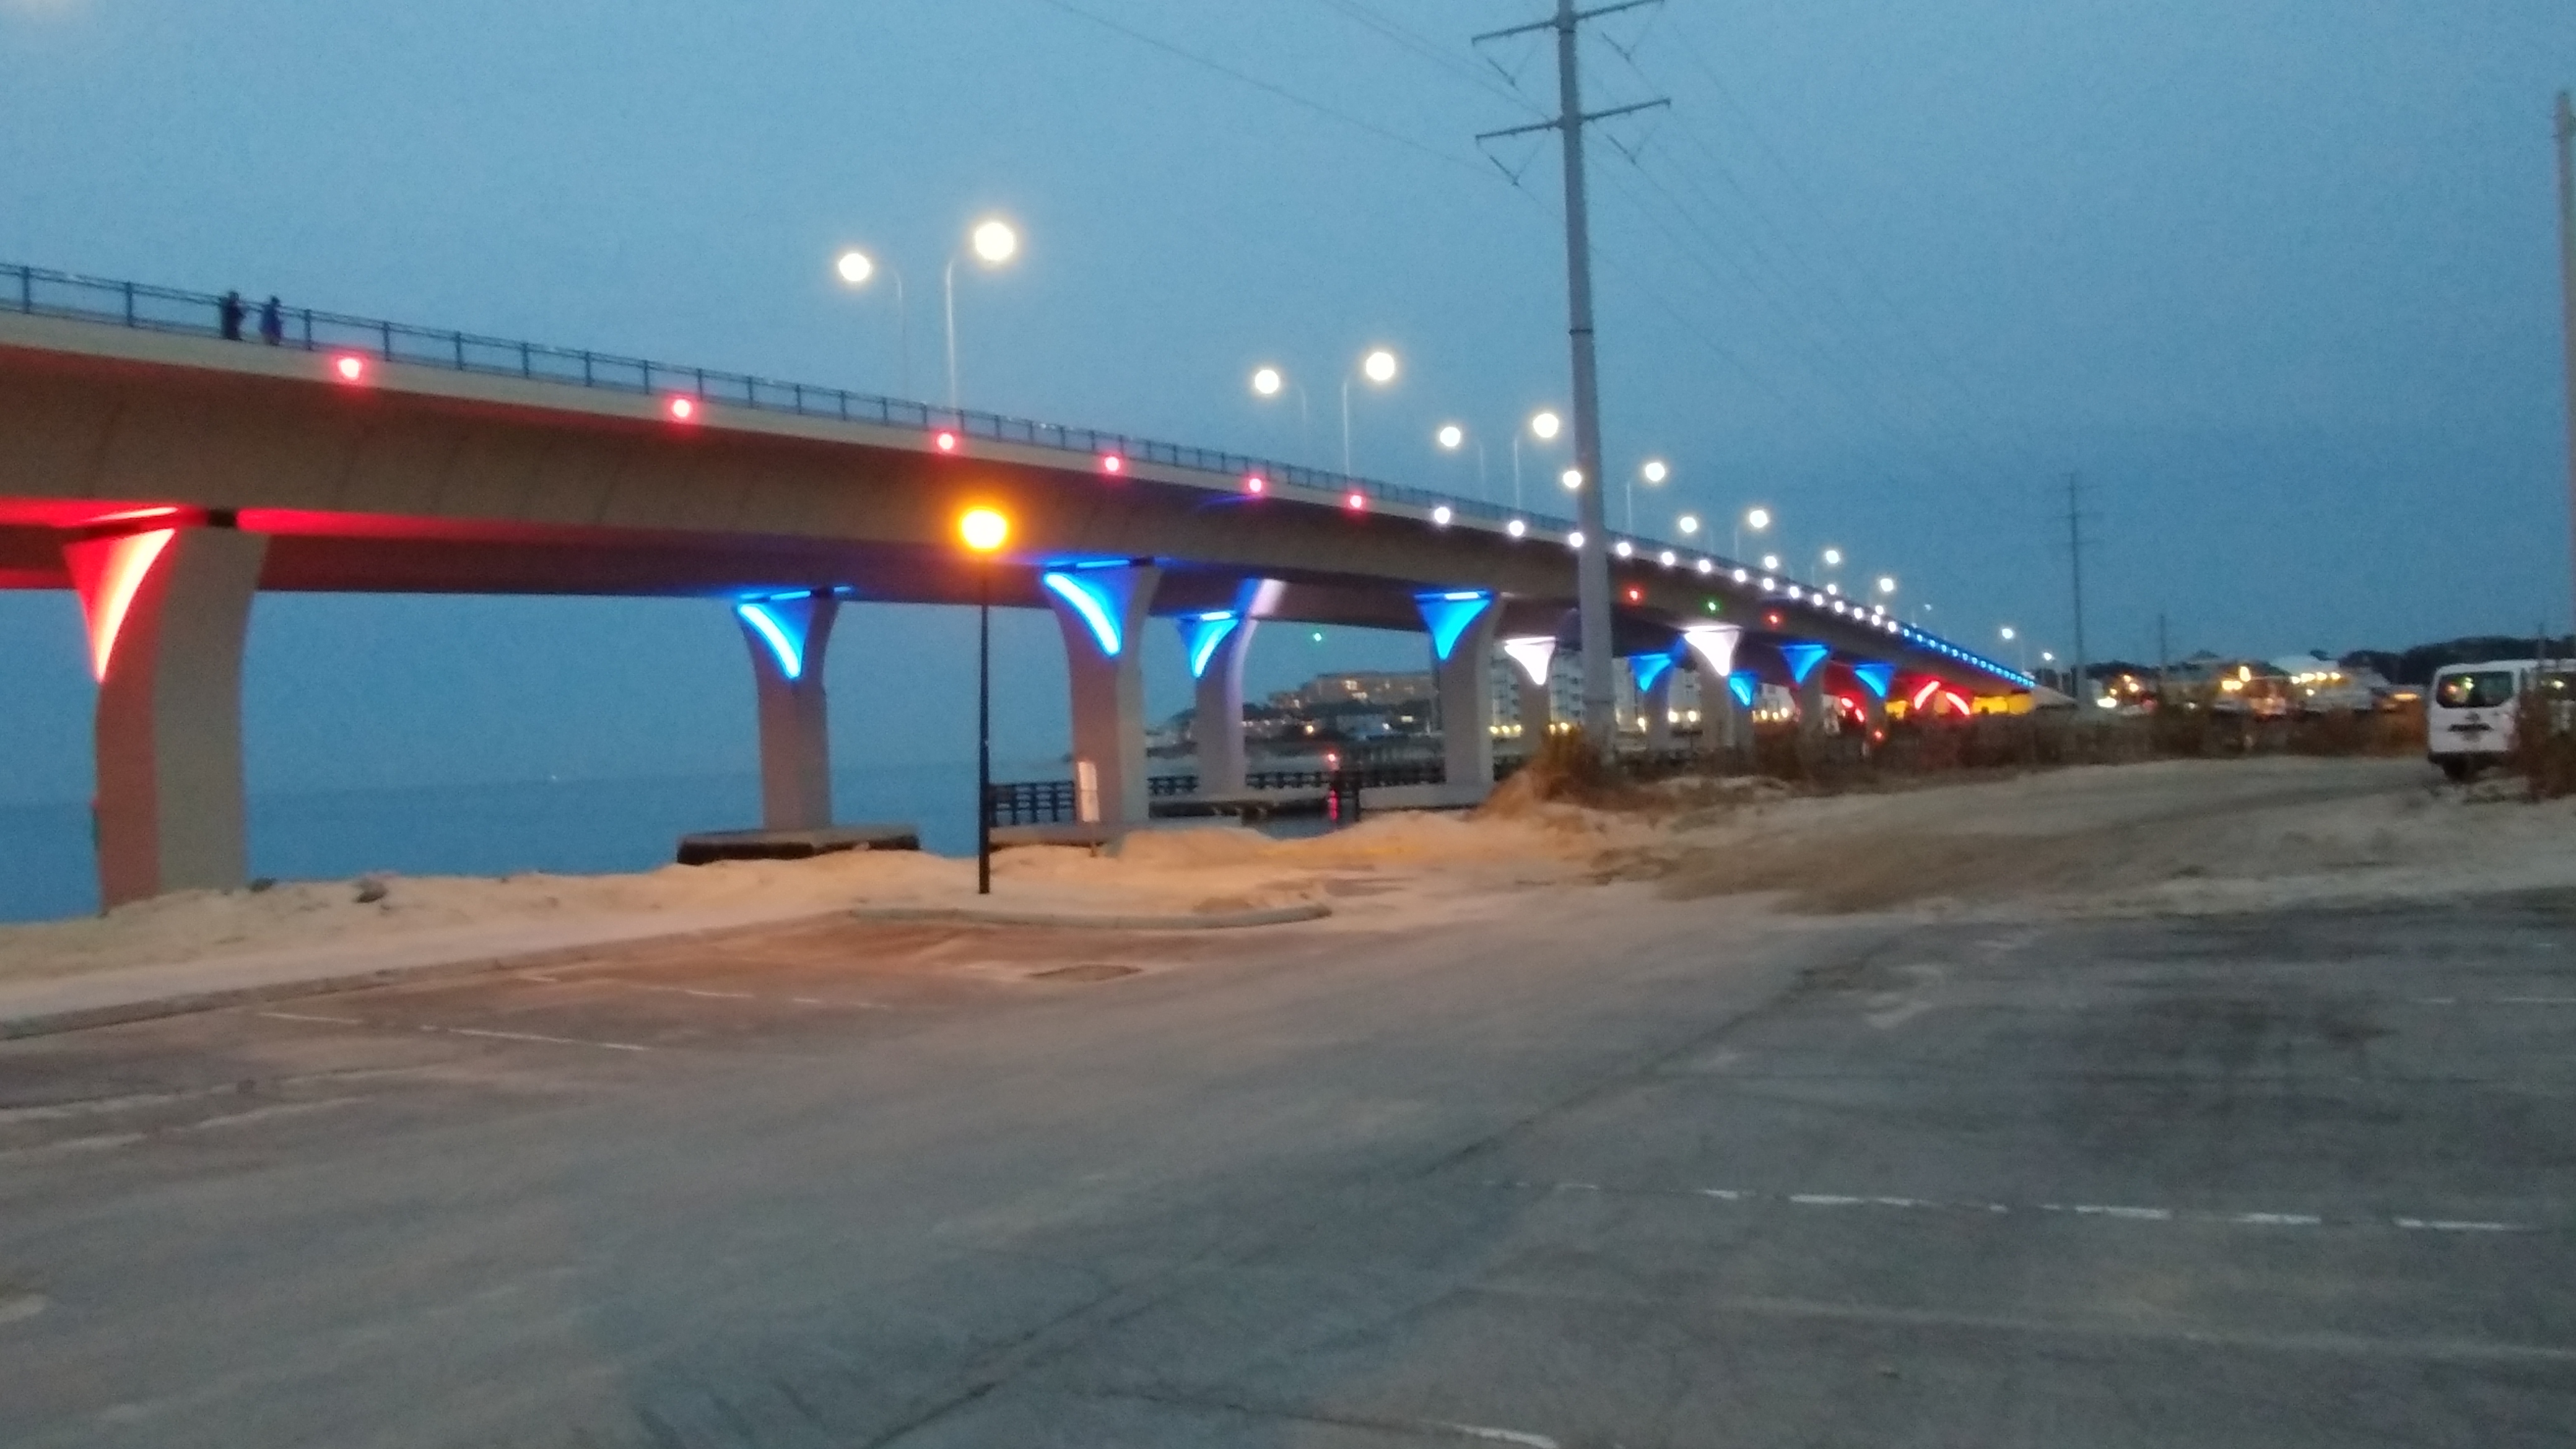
[(1942, 366), (1257, 83), (1422, 46)]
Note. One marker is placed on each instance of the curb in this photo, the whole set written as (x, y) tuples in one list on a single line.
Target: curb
[(15, 1028), (1188, 921)]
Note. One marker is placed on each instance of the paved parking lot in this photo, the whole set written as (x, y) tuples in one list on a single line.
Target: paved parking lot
[(1599, 1171)]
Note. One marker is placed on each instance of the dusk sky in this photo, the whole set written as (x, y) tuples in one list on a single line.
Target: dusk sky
[(2278, 279)]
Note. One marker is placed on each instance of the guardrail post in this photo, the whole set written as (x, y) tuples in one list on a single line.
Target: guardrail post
[(26, 289), (386, 329), (129, 304), (459, 338), (527, 367)]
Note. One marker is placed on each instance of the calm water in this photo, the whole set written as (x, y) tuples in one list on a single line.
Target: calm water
[(46, 867)]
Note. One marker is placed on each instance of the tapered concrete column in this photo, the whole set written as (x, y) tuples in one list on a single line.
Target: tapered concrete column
[(168, 613), (1807, 670), (1532, 659), (1462, 629), (1216, 644), (1102, 612), (1654, 674), (1874, 679), (788, 638), (1723, 720)]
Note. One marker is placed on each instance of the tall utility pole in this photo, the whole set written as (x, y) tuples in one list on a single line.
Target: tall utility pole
[(2567, 287), (2075, 553), (1592, 560)]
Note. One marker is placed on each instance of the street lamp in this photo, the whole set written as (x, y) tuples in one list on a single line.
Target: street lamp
[(1887, 583), (984, 531), (1379, 368), (1451, 438), (1654, 472), (1689, 523), (1544, 425), (857, 269), (2010, 635), (994, 243), (1756, 519), (1269, 382)]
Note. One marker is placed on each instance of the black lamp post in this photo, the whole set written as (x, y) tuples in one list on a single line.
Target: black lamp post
[(984, 530)]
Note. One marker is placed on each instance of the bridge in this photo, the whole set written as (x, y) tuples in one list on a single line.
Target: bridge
[(169, 472)]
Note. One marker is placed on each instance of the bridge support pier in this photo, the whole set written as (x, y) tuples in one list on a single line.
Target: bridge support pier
[(787, 638), (1533, 660), (1462, 670), (1723, 722), (1813, 705), (168, 613), (1654, 674), (1102, 611), (1216, 728)]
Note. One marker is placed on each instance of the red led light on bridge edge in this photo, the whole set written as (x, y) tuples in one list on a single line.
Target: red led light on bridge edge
[(1255, 483), (944, 441), (1357, 502), (682, 409), (1111, 463), (349, 367)]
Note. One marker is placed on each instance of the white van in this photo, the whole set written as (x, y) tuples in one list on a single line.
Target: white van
[(2468, 713)]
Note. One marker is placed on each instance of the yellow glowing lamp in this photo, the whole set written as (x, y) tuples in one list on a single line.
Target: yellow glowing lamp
[(984, 529)]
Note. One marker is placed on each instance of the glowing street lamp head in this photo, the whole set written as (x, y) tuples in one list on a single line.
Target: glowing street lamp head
[(2008, 633), (1378, 366), (1689, 524), (1758, 519), (994, 242), (983, 529), (1545, 425), (856, 267), (1833, 558), (1451, 436), (1655, 471), (1266, 381), (1887, 583), (1771, 563), (1572, 478)]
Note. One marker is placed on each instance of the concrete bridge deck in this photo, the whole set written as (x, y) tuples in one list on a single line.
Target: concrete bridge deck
[(170, 474)]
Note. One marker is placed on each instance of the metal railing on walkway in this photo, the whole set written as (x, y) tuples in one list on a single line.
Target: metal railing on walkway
[(38, 292)]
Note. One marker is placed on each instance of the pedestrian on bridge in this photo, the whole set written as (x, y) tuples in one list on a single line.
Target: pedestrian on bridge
[(272, 323), (231, 311)]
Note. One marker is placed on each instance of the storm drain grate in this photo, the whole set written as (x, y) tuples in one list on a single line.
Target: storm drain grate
[(1087, 972)]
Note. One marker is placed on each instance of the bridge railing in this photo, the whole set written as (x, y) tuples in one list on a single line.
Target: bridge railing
[(37, 291)]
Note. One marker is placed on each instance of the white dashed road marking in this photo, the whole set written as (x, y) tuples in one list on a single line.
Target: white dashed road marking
[(477, 1032), (2122, 1212)]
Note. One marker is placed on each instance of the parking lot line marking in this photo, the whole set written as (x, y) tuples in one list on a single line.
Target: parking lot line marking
[(2454, 1225), (301, 1016)]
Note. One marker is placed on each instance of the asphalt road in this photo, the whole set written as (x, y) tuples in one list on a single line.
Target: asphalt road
[(1597, 1171)]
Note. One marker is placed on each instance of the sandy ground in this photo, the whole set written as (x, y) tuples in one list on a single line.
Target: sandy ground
[(2181, 837)]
